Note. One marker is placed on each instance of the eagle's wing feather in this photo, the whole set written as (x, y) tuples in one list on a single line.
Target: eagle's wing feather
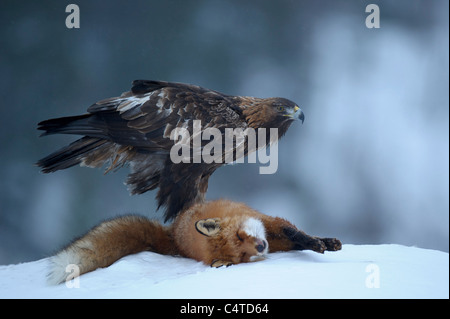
[(145, 118)]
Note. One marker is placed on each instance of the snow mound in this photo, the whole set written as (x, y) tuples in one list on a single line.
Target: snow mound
[(357, 271)]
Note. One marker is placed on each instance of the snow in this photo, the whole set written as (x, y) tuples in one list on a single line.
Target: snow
[(357, 271)]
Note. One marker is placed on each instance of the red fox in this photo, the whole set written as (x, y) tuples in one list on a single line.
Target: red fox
[(218, 233)]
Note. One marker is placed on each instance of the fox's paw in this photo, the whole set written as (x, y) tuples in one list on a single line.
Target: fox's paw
[(332, 244), (219, 263), (317, 245)]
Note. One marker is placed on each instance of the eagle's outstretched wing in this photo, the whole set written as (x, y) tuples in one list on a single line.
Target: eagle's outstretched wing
[(135, 129)]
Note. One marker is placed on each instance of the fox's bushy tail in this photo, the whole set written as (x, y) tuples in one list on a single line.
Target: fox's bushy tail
[(110, 241)]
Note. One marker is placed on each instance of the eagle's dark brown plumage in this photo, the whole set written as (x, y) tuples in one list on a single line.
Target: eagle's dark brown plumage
[(135, 129)]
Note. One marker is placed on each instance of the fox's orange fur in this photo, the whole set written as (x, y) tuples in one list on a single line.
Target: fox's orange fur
[(217, 233)]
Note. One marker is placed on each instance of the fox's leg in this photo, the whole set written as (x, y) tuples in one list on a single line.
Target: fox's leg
[(284, 236), (303, 241)]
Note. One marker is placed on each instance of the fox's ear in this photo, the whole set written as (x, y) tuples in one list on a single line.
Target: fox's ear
[(208, 227)]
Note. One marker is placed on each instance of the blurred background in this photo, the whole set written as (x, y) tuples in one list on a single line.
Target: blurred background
[(370, 165)]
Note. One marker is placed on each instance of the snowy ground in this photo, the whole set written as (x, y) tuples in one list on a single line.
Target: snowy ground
[(379, 271)]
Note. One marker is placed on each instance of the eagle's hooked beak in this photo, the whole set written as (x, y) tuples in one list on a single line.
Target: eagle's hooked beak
[(298, 114)]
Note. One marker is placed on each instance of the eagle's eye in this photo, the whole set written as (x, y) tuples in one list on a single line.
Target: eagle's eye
[(280, 108)]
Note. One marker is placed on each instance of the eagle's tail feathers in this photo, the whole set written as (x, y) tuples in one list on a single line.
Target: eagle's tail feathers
[(87, 150), (78, 125)]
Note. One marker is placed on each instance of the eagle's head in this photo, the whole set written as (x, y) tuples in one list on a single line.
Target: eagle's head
[(286, 109), (274, 112)]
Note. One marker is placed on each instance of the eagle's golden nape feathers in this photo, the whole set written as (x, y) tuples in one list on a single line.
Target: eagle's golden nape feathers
[(135, 129)]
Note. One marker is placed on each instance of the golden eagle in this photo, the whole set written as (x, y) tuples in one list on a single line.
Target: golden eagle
[(135, 128)]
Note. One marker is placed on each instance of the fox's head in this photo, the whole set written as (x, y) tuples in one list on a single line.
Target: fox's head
[(242, 238)]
